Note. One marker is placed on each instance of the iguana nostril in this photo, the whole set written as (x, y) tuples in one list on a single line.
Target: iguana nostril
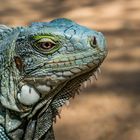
[(94, 41)]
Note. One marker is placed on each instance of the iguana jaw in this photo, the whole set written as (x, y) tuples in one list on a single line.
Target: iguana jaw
[(56, 84), (69, 89)]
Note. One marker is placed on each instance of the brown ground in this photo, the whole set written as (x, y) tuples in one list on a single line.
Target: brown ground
[(109, 109)]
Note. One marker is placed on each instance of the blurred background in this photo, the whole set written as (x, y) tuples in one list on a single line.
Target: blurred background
[(109, 109)]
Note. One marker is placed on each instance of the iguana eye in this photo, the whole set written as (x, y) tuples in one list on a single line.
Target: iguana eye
[(46, 46)]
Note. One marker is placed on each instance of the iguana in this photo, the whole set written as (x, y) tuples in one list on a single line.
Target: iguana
[(41, 67)]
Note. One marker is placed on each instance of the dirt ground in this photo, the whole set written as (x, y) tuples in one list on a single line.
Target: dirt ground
[(110, 108)]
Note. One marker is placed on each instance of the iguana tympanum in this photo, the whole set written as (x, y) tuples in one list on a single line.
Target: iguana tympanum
[(41, 67)]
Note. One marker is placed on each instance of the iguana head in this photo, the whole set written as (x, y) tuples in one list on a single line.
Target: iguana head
[(54, 59), (41, 67)]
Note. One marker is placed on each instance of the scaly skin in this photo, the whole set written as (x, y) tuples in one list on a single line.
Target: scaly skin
[(41, 67)]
